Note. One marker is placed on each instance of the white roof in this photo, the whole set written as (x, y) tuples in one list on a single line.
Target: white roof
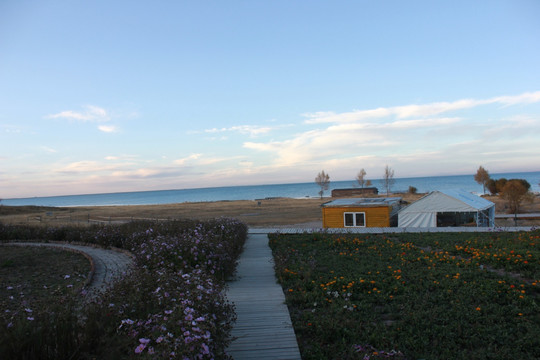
[(423, 213), (474, 201), (449, 201)]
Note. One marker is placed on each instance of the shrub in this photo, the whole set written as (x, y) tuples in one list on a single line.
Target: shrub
[(171, 305)]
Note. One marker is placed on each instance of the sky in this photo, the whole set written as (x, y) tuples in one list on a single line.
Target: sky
[(109, 96)]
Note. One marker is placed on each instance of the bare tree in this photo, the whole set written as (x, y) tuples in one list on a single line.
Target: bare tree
[(482, 177), (361, 178), (388, 179), (323, 180)]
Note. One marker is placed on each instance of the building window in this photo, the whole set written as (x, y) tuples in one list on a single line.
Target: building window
[(354, 219)]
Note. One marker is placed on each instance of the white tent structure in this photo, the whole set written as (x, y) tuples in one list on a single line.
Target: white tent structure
[(448, 208)]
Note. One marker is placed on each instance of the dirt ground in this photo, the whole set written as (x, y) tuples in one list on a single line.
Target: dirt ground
[(255, 213)]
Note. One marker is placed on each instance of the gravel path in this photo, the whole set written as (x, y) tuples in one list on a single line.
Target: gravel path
[(106, 265)]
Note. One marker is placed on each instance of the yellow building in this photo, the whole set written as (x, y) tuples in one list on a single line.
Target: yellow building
[(361, 212)]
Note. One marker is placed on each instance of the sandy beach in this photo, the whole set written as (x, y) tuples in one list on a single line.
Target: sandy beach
[(273, 212)]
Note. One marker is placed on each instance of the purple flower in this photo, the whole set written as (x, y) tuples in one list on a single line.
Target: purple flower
[(139, 349)]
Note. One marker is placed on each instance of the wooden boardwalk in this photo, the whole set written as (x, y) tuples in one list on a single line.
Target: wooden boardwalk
[(263, 329)]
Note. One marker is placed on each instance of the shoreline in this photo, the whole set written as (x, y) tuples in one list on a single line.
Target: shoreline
[(299, 190), (270, 211)]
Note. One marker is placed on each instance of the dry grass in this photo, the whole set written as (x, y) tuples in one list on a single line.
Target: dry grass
[(266, 212), (257, 213)]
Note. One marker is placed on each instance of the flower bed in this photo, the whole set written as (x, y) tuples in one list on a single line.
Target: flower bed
[(170, 306), (406, 296)]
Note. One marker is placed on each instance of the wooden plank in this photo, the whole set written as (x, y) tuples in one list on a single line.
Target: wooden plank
[(263, 329)]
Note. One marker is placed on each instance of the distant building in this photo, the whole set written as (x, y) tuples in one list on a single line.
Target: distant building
[(355, 192), (361, 212), (448, 208)]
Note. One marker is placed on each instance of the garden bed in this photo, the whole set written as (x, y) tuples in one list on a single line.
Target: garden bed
[(412, 296), (171, 305)]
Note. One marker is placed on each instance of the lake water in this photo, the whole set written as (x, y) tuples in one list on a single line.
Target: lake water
[(253, 192)]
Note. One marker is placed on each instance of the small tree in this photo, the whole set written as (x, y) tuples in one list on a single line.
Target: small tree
[(388, 179), (495, 186), (361, 179), (323, 180), (482, 177), (515, 191)]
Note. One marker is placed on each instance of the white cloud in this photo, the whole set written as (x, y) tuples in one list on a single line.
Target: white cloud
[(414, 110), (525, 98), (251, 130), (49, 150), (90, 113), (108, 128), (410, 134), (85, 166), (10, 129), (148, 172), (415, 140), (184, 161)]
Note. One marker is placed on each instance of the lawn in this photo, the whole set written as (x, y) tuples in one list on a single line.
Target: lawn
[(32, 277), (412, 296)]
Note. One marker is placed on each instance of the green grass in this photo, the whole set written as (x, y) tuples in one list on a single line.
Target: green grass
[(35, 276), (412, 296)]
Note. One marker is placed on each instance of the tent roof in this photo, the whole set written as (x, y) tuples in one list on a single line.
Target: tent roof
[(449, 201), (472, 200)]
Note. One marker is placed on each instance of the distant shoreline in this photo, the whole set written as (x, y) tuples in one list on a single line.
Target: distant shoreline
[(254, 192), (276, 212)]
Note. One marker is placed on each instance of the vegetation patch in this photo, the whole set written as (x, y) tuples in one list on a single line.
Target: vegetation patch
[(412, 296), (35, 277), (171, 305)]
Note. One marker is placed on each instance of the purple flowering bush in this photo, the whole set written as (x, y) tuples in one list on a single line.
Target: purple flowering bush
[(171, 304)]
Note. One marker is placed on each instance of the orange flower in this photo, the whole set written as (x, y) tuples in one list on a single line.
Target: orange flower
[(478, 308)]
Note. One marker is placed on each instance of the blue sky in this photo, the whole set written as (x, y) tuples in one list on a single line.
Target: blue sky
[(106, 96)]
